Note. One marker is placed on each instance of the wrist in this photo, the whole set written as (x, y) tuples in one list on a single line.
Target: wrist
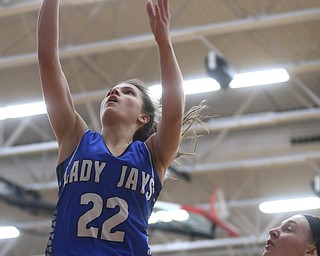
[(164, 44)]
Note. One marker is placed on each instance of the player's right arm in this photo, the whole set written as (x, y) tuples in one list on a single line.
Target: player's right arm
[(68, 126)]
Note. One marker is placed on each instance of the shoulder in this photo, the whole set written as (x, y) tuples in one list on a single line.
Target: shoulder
[(68, 146)]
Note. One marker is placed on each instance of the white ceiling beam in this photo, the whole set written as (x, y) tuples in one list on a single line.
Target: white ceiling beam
[(15, 134), (252, 23), (20, 8), (32, 6), (288, 159), (260, 120), (178, 35), (29, 149), (310, 93), (206, 244), (230, 123), (241, 203)]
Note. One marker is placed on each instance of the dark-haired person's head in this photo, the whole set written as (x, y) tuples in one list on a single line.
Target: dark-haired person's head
[(133, 102), (298, 235)]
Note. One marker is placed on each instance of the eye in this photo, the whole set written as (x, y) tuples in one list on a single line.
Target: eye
[(287, 229), (129, 91)]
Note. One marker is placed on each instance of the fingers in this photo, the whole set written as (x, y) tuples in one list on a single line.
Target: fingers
[(159, 20), (159, 10), (164, 7), (150, 9)]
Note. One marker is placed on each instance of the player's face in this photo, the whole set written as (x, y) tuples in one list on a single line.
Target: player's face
[(123, 99), (290, 238)]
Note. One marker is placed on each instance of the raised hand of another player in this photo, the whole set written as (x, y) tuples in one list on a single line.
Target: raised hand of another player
[(159, 19)]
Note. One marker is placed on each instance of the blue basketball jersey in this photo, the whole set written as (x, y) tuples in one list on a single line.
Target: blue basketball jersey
[(104, 201)]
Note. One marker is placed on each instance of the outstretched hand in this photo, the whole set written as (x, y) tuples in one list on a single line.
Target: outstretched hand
[(159, 19)]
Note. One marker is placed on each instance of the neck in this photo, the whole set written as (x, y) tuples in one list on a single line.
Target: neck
[(114, 136), (117, 140)]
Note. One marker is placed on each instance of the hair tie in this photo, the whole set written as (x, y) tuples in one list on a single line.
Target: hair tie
[(314, 223)]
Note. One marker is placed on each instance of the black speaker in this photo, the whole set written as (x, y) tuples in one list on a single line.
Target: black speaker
[(219, 69)]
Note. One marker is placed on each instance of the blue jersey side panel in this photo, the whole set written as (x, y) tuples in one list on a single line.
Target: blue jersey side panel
[(104, 201)]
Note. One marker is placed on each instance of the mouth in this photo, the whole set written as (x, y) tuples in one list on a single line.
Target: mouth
[(269, 244), (112, 99)]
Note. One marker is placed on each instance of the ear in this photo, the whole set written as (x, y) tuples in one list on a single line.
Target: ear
[(312, 251), (144, 118)]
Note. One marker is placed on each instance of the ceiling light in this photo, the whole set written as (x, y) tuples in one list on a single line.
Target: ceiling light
[(9, 232), (164, 216), (30, 109), (290, 205), (261, 77), (168, 216), (179, 215), (153, 218), (190, 87)]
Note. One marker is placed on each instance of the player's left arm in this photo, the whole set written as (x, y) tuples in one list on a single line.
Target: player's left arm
[(166, 141)]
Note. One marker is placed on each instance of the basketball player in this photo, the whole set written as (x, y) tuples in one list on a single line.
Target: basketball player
[(109, 180), (298, 235)]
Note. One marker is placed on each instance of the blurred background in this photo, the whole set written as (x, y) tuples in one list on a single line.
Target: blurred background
[(262, 141)]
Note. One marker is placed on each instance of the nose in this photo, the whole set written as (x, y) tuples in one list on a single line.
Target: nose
[(274, 233), (114, 90)]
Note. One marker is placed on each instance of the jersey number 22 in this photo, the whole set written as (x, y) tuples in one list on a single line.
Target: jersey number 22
[(84, 231)]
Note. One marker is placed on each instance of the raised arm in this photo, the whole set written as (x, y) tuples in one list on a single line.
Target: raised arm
[(166, 141), (66, 123)]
